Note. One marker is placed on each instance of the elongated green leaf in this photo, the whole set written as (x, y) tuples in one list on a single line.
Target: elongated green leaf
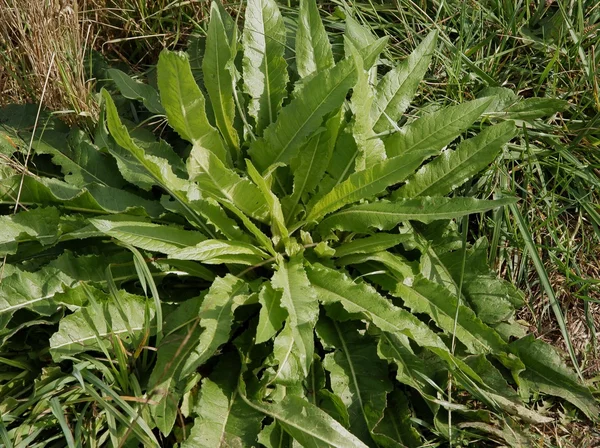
[(547, 372), (198, 339), (224, 418), (493, 299), (146, 235), (398, 266), (185, 104), (278, 228), (371, 148), (297, 121), (87, 330), (273, 436), (453, 168), (310, 165), (357, 375), (213, 213), (366, 184), (332, 286), (309, 425), (136, 90), (375, 243), (223, 184), (384, 215), (216, 318), (435, 130), (398, 86), (80, 160), (272, 315), (265, 69), (396, 428), (301, 303), (157, 167), (412, 370), (531, 108), (92, 198), (219, 251), (217, 67), (33, 290), (313, 50), (424, 296), (41, 224), (364, 41)]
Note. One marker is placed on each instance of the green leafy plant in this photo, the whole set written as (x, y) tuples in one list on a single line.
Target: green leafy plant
[(282, 266)]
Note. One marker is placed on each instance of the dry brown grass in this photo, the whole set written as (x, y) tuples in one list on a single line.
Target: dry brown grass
[(31, 32)]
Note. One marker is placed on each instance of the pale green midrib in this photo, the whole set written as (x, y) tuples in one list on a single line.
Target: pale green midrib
[(94, 337), (423, 191)]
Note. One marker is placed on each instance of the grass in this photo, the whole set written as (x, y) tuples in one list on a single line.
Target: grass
[(548, 245)]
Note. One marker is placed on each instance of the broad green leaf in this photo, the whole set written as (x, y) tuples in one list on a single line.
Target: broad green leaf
[(309, 425), (412, 370), (341, 164), (223, 184), (398, 86), (318, 394), (183, 351), (216, 319), (493, 299), (214, 215), (147, 235), (80, 160), (366, 184), (273, 436), (156, 167), (136, 90), (364, 41), (219, 251), (217, 67), (424, 296), (86, 330), (185, 104), (272, 315), (371, 244), (435, 130), (371, 148), (278, 228), (297, 121), (313, 50), (265, 69), (546, 371), (33, 290), (357, 375), (453, 168), (300, 301), (396, 264), (332, 286), (41, 224), (309, 166), (92, 198), (385, 215), (396, 428), (224, 418)]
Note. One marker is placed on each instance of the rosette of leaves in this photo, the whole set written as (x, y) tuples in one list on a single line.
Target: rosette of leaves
[(282, 267)]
